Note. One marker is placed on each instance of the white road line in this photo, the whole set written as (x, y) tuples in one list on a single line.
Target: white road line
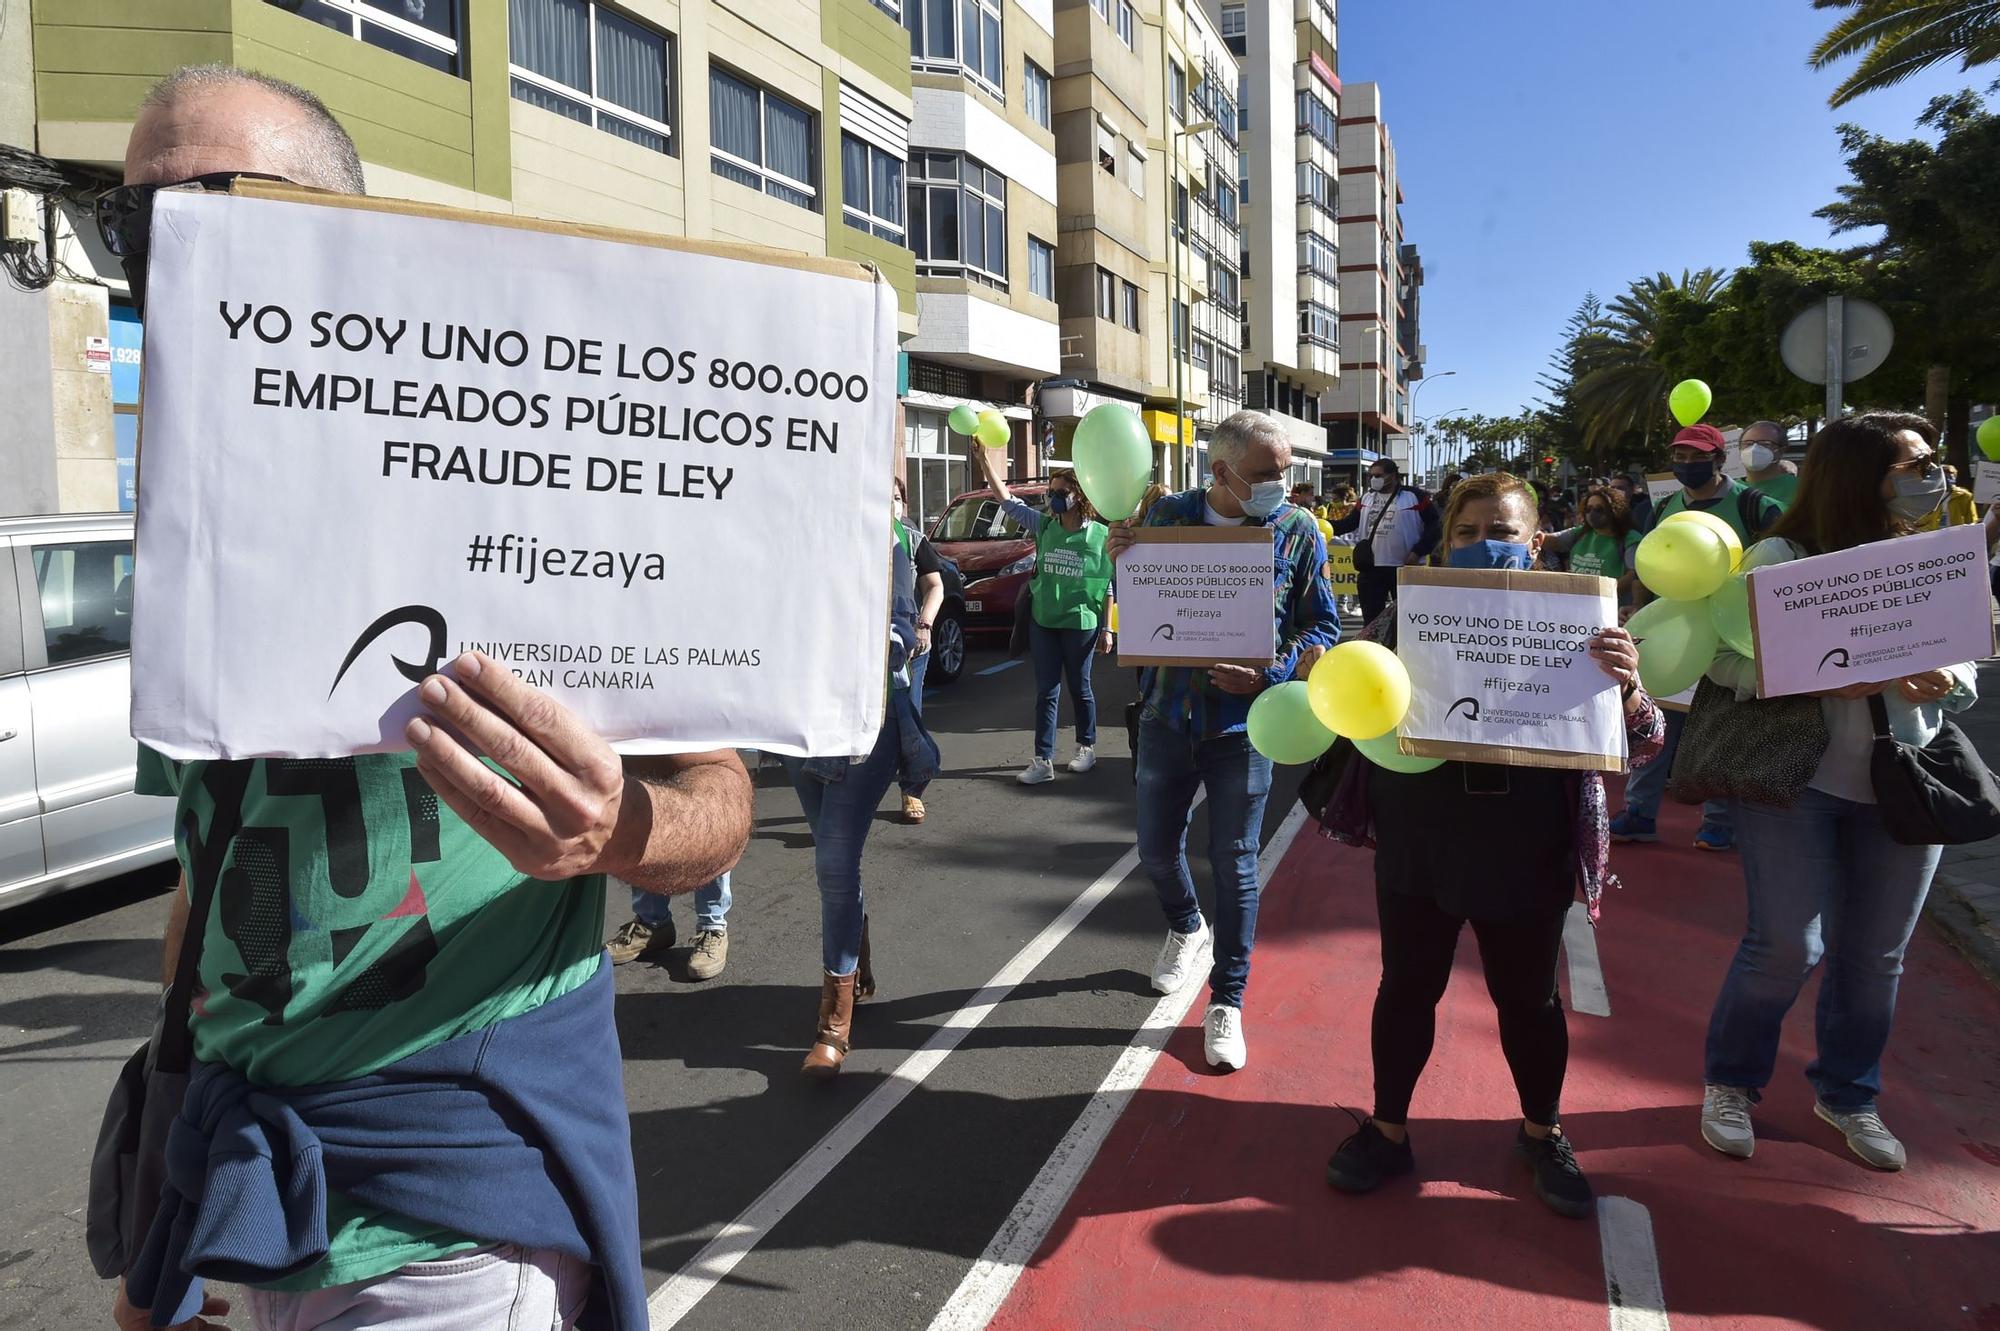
[(1007, 664), (1631, 1266), (1586, 974), (987, 1285), (677, 1297)]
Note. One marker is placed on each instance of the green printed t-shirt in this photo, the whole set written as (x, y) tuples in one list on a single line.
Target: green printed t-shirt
[(1601, 553), (1072, 575), (357, 921)]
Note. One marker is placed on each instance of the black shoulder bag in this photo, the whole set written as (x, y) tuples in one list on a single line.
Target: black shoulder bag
[(1364, 549), (1938, 795)]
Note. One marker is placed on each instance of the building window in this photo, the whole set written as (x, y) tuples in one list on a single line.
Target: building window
[(1176, 89), (1317, 188), (581, 60), (1226, 375), (1128, 24), (958, 217), (1107, 295), (761, 140), (1035, 92), (1135, 171), (1102, 8), (958, 37), (1233, 24), (428, 36), (1041, 268), (871, 188), (1204, 353), (1129, 306), (1225, 203), (1318, 324), (1181, 209), (893, 8), (1180, 326), (1223, 287), (1317, 119), (1318, 257)]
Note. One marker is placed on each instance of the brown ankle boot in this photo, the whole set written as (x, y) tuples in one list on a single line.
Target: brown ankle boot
[(836, 1019), (864, 974)]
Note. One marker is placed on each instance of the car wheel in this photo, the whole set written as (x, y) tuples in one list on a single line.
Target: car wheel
[(947, 646)]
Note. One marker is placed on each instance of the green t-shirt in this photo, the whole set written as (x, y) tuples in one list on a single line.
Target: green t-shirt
[(1781, 489), (356, 921), (1072, 574), (1728, 505), (1601, 553)]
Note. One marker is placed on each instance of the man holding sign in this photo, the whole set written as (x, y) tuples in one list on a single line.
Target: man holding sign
[(392, 913), (1193, 730)]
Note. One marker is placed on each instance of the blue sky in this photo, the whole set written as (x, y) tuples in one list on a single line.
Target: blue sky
[(1553, 147)]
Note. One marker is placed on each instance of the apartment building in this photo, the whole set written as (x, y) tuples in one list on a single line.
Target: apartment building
[(1287, 169), (774, 122), (983, 229), (1368, 412)]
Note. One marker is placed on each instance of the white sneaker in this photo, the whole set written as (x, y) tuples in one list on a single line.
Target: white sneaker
[(1725, 1120), (1038, 772), (1086, 758), (1867, 1136), (1178, 955), (1222, 1037)]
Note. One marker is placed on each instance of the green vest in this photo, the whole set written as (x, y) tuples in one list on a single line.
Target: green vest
[(1600, 553), (1072, 574), (1728, 506)]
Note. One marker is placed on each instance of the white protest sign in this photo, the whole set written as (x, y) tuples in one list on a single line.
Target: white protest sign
[(1986, 482), (1500, 668), (1197, 596), (1661, 486), (1873, 613), (651, 477)]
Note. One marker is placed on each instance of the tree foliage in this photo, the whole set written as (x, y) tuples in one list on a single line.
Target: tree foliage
[(1898, 38)]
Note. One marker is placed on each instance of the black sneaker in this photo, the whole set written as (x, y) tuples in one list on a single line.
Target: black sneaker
[(1558, 1182), (1366, 1159)]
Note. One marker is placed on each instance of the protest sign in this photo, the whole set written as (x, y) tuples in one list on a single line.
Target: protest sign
[(1986, 483), (651, 476), (1876, 612), (1197, 596), (1500, 668), (1340, 574), (1661, 486)]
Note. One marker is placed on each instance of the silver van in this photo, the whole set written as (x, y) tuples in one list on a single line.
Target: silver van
[(68, 814)]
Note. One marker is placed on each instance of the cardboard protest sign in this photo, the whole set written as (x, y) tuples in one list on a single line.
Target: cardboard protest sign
[(650, 476), (1191, 596), (1986, 482), (1873, 613), (1340, 573), (1661, 486), (1500, 670)]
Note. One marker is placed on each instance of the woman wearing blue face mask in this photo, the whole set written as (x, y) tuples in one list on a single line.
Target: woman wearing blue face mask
[(1070, 592), (1826, 881), (1504, 849)]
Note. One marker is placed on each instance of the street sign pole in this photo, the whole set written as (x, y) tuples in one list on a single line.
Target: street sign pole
[(1836, 348)]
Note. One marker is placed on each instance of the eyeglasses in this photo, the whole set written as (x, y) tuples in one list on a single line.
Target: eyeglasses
[(125, 213)]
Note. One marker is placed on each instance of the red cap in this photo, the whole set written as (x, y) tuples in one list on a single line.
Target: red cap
[(1704, 437)]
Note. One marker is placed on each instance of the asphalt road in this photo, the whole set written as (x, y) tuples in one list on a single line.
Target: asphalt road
[(719, 1112)]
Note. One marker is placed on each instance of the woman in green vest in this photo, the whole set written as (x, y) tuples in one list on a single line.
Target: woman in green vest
[(1070, 592), (1606, 542)]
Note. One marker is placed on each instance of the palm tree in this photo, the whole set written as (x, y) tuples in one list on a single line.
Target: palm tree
[(1620, 388), (1902, 37)]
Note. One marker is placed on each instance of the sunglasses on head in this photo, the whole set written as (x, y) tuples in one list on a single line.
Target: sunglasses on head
[(125, 213)]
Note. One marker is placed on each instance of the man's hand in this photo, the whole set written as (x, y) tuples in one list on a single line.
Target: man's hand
[(1120, 539), (1107, 643), (128, 1318), (923, 640), (1927, 687), (1308, 657), (558, 821), (1242, 681)]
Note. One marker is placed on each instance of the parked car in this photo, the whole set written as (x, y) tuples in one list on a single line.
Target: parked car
[(948, 631), (993, 552), (68, 814)]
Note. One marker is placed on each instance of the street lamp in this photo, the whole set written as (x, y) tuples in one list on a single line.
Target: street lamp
[(1415, 392), (1429, 421), (1174, 337)]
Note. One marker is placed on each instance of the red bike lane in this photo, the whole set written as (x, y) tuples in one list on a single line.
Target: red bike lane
[(1207, 1204)]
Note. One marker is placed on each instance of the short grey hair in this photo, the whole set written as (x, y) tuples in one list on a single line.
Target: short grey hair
[(324, 157), (1235, 435), (1772, 426)]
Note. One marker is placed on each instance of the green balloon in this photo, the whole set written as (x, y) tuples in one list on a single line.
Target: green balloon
[(1646, 616), (1690, 401), (1113, 459), (1730, 609), (1677, 648), (1283, 727), (1989, 438), (993, 430), (1382, 751), (963, 418)]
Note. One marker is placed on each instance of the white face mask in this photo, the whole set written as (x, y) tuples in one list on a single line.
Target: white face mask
[(1757, 457), (1381, 484)]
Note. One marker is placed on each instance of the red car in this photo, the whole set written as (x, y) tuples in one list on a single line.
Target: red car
[(994, 553)]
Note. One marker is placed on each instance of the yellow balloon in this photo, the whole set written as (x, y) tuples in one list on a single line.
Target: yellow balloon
[(1683, 561), (1719, 527), (1360, 690), (1326, 529)]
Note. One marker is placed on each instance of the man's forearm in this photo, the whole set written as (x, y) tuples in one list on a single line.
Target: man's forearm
[(683, 826)]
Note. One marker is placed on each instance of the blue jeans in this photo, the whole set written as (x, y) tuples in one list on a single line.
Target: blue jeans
[(1644, 787), (840, 814), (1825, 881), (919, 667), (711, 907), (1238, 780), (1061, 654)]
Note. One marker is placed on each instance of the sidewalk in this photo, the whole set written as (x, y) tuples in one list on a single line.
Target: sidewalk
[(1965, 898), (1207, 1205)]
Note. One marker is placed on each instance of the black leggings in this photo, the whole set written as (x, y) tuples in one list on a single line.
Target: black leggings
[(1519, 957)]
